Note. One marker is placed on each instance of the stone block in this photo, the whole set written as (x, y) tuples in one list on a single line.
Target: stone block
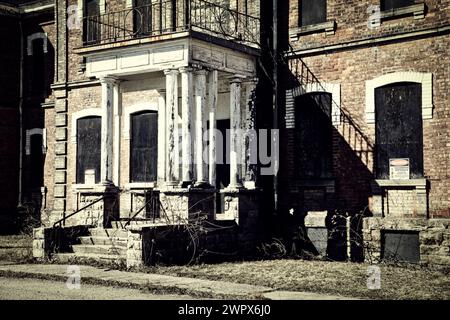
[(61, 120), (61, 162), (61, 134), (60, 191), (59, 204), (430, 237), (60, 177)]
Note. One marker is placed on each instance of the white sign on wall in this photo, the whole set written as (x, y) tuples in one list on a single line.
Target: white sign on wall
[(399, 169)]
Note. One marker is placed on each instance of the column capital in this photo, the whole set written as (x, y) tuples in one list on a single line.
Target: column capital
[(186, 69), (170, 72), (251, 80), (109, 79), (201, 72), (236, 78)]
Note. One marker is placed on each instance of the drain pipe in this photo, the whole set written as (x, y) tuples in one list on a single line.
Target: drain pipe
[(20, 113)]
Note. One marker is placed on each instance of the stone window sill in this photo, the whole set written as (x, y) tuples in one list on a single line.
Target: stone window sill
[(416, 10), (140, 185), (412, 183), (328, 27)]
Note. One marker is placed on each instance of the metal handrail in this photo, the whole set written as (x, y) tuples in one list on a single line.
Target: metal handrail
[(162, 17), (152, 198), (60, 221)]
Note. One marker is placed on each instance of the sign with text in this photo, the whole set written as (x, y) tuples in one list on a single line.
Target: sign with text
[(399, 169)]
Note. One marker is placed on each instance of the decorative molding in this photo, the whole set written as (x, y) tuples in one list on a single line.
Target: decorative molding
[(417, 10), (34, 36), (31, 132), (332, 88), (128, 111), (425, 79), (89, 112), (329, 27)]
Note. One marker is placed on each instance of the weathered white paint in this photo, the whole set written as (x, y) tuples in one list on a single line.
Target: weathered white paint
[(200, 124), (425, 79), (186, 115), (249, 145), (117, 109), (162, 136), (107, 106), (172, 169), (212, 103), (235, 123)]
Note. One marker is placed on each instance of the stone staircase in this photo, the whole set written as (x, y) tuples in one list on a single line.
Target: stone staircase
[(107, 245)]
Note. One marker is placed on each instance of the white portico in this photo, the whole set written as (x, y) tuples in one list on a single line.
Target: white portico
[(189, 86)]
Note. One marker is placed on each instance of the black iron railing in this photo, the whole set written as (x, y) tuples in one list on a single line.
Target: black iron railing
[(165, 17), (152, 207)]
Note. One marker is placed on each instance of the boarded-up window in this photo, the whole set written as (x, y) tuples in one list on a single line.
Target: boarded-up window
[(393, 4), (144, 143), (88, 147), (400, 246), (313, 136), (312, 12), (399, 132)]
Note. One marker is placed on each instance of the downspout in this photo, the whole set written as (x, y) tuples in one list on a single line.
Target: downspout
[(20, 113), (275, 96)]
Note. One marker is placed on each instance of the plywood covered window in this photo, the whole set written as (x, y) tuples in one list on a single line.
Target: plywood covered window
[(88, 147), (143, 146), (312, 12), (399, 134), (313, 136), (394, 4)]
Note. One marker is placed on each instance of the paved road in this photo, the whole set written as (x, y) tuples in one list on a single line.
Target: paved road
[(35, 289)]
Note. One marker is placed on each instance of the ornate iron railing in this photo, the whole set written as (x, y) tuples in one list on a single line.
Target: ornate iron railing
[(165, 17)]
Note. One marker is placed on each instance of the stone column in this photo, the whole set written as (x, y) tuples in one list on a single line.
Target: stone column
[(235, 123), (172, 169), (212, 102), (187, 125), (108, 84), (117, 109), (200, 125), (249, 146)]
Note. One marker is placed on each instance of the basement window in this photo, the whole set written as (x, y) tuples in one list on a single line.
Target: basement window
[(400, 246)]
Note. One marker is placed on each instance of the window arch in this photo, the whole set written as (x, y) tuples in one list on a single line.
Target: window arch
[(425, 79), (86, 135)]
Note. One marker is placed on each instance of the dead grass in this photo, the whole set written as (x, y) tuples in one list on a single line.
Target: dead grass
[(346, 279)]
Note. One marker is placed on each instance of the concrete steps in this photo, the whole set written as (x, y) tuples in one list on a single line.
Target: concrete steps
[(105, 245)]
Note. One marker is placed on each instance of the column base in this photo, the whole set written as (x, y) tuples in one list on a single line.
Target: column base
[(185, 184), (202, 185), (172, 183)]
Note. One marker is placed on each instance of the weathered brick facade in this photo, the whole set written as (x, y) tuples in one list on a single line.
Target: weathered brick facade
[(358, 47)]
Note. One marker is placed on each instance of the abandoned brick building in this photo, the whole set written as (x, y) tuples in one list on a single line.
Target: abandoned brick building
[(147, 96)]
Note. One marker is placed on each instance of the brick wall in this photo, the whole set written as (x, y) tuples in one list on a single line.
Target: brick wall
[(351, 67)]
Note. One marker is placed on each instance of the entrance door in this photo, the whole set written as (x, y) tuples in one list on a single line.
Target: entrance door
[(223, 166)]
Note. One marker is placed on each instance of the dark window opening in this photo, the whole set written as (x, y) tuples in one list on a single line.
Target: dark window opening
[(223, 166), (394, 4), (312, 12), (88, 147), (313, 136), (36, 161), (38, 79), (142, 16), (399, 134), (400, 246), (91, 26), (144, 147)]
